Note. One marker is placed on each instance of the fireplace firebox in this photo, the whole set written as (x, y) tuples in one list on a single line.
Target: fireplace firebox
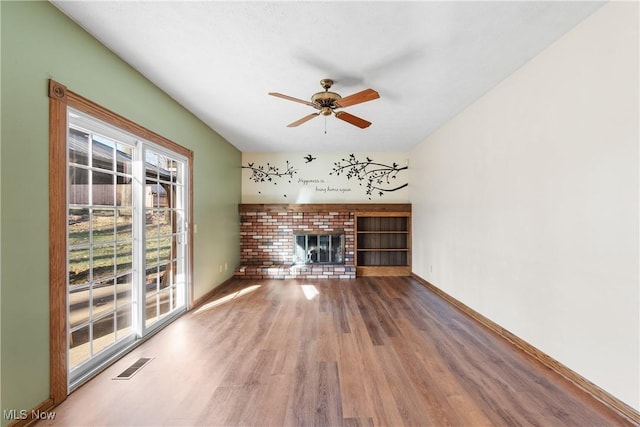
[(318, 249)]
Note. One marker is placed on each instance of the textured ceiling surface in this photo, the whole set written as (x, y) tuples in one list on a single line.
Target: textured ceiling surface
[(428, 61)]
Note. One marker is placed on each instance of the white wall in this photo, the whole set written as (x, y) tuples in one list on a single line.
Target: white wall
[(325, 177), (526, 205)]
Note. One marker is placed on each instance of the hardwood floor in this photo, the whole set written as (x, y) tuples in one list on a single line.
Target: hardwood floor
[(366, 352)]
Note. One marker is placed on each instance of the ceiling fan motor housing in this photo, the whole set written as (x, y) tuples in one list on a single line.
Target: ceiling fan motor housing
[(325, 100)]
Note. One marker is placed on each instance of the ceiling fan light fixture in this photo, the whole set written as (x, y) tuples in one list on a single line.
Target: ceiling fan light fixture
[(326, 111)]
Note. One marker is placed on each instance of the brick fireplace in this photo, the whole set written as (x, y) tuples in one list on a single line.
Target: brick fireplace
[(271, 237), (268, 239)]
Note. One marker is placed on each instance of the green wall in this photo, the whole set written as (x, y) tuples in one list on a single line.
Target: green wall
[(37, 43)]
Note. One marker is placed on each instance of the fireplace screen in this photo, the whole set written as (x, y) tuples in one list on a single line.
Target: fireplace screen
[(319, 249)]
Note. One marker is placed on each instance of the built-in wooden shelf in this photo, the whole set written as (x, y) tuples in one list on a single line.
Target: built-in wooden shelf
[(383, 232), (381, 250), (383, 243)]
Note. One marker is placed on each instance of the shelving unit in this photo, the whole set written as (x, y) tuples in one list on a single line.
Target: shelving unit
[(383, 243)]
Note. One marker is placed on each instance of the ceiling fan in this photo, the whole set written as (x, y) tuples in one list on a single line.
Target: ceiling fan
[(327, 102)]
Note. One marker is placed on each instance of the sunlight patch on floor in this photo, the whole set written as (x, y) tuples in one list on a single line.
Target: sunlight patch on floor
[(227, 298), (310, 291)]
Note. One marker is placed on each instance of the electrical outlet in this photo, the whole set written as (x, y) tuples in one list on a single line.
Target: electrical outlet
[(226, 267), (220, 268)]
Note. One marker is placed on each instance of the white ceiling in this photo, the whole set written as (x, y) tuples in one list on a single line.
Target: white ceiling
[(428, 61)]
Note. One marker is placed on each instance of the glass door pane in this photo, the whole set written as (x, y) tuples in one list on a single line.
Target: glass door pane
[(100, 246), (323, 249), (165, 235)]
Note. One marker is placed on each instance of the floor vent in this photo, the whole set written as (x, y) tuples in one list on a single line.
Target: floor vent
[(133, 369)]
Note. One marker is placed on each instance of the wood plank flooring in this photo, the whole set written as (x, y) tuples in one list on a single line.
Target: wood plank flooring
[(366, 352)]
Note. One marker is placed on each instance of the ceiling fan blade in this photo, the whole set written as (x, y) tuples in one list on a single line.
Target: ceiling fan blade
[(291, 98), (357, 98), (350, 118), (302, 120)]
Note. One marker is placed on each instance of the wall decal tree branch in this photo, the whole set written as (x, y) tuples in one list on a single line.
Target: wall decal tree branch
[(378, 176), (268, 173)]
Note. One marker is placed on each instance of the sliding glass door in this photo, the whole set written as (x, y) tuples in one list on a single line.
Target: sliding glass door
[(126, 241)]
